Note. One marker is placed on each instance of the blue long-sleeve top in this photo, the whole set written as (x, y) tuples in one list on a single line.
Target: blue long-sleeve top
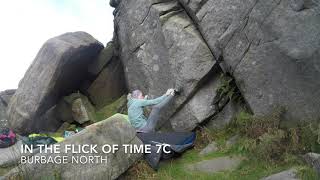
[(135, 109)]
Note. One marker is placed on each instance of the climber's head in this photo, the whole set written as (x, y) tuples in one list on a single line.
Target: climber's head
[(137, 94)]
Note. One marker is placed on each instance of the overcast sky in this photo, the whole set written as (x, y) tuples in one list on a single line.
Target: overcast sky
[(27, 24)]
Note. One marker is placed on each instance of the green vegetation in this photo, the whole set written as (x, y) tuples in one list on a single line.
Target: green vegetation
[(111, 109), (307, 173), (4, 170), (228, 88), (268, 149), (266, 139)]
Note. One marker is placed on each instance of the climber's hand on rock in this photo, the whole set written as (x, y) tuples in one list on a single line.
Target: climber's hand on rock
[(173, 92), (170, 92)]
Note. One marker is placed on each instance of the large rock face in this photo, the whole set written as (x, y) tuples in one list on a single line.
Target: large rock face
[(57, 70), (161, 48), (270, 47), (114, 130)]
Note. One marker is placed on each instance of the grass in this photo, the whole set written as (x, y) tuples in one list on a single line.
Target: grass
[(251, 144), (4, 170), (250, 169)]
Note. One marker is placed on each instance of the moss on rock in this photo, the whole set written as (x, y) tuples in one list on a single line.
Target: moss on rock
[(118, 106)]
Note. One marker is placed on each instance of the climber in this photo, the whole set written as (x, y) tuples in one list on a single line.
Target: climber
[(136, 102)]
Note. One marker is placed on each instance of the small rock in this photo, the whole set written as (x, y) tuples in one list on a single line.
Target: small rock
[(313, 159), (225, 116), (3, 123), (216, 164), (63, 127), (82, 110), (2, 111), (233, 140), (6, 95), (297, 5), (290, 174), (212, 147)]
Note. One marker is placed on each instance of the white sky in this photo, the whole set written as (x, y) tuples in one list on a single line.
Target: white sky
[(26, 24)]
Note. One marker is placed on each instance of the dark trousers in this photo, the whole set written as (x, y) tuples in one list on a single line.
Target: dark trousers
[(154, 116)]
